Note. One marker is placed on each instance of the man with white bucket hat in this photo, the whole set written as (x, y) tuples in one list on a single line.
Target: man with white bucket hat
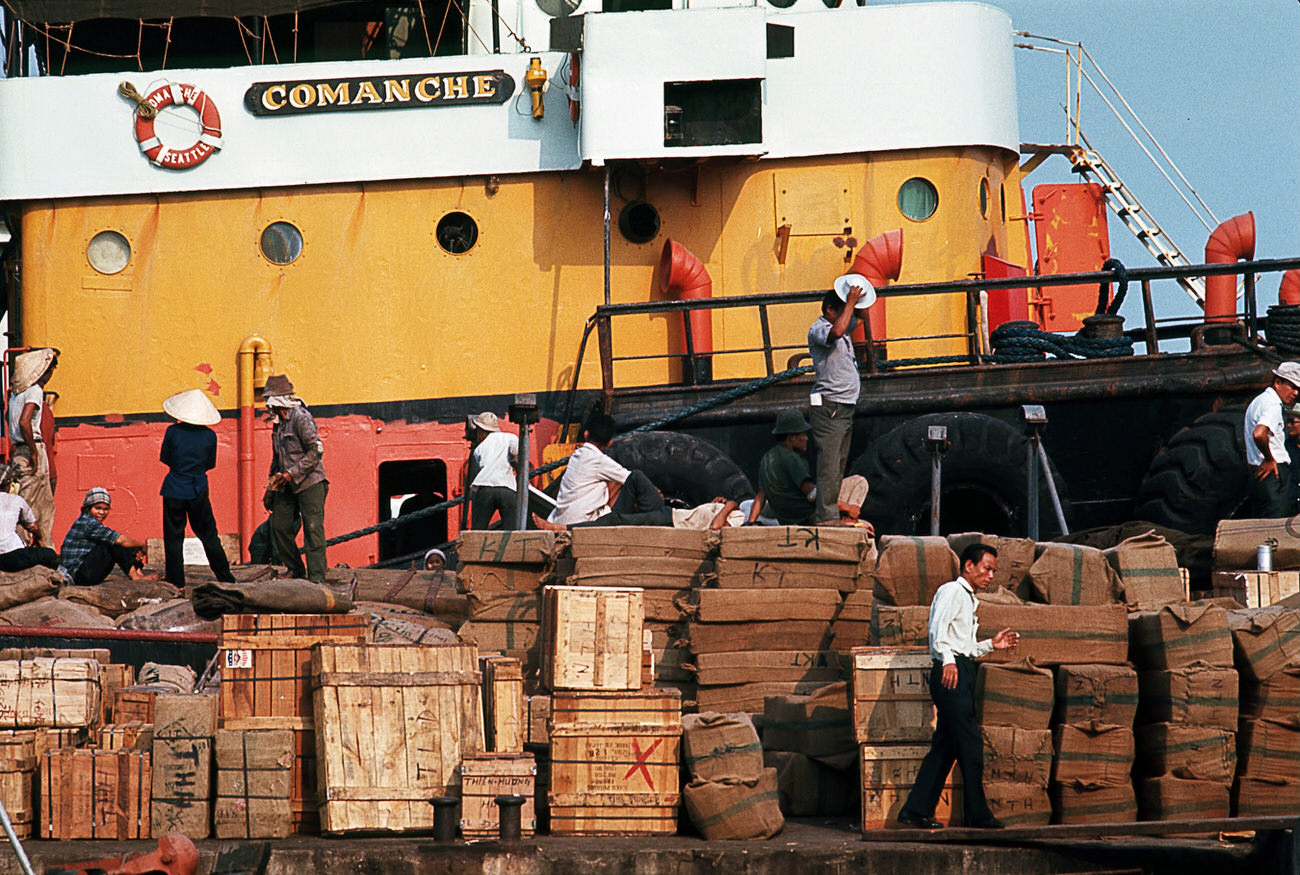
[(30, 465), (1269, 488), (189, 450), (493, 488)]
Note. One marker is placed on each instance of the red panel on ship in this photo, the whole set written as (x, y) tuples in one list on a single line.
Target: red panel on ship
[(1005, 305), (1071, 237)]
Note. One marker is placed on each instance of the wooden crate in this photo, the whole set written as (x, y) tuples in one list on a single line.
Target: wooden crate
[(615, 762), (484, 777), (592, 637), (125, 736), (17, 779), (888, 774), (1255, 589), (254, 783), (539, 720), (112, 677), (95, 794), (134, 704), (891, 694), (53, 692), (392, 724), (266, 684), (504, 721), (182, 764)]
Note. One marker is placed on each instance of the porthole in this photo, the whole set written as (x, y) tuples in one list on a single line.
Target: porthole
[(108, 252), (639, 222), (281, 243), (457, 233), (984, 197), (918, 199), (558, 8), (782, 4)]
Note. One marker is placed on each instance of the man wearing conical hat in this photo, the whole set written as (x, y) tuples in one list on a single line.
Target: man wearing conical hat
[(30, 466), (297, 480), (189, 450)]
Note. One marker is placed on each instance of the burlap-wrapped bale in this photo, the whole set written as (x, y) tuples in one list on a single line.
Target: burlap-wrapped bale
[(1014, 694), (722, 747), (899, 626), (1017, 804), (1018, 756), (1015, 558), (1178, 635), (740, 606), (642, 541), (429, 591), (480, 577), (819, 725), (1265, 640), (1200, 753), (1277, 698), (811, 789), (796, 543), (1170, 797), (1054, 635), (662, 573), (500, 547), (1084, 801), (788, 574), (1100, 693), (1071, 574), (1200, 694), (910, 570), (735, 809), (1263, 797), (1147, 566), (1092, 752), (1235, 543), (1269, 749)]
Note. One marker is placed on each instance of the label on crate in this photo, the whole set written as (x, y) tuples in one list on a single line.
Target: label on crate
[(239, 659)]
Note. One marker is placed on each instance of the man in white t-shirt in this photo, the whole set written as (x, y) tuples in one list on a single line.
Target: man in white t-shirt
[(30, 467), (14, 554), (1269, 489), (493, 488)]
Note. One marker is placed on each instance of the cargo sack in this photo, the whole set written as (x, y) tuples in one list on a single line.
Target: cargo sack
[(485, 547), (1017, 804), (1096, 693), (1170, 797), (1200, 694), (899, 626), (810, 789), (1018, 756), (812, 666), (1083, 801), (21, 587), (174, 615), (1198, 753), (910, 570), (1070, 574), (289, 596), (1054, 635), (51, 611), (117, 596), (760, 635), (1277, 698), (1096, 752), (1269, 750), (420, 590), (178, 678), (664, 573), (1178, 635), (796, 543), (788, 574), (721, 747), (505, 607), (1261, 797), (735, 809), (1265, 640), (643, 541), (1014, 694), (741, 606), (1147, 566), (1015, 558), (475, 577), (819, 725), (1235, 543)]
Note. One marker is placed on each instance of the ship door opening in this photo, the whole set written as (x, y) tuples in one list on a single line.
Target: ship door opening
[(405, 487)]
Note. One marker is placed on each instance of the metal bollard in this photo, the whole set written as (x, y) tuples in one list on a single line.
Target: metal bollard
[(1035, 419), (510, 817), (444, 818), (936, 439)]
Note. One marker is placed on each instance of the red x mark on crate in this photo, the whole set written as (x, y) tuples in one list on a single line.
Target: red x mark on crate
[(641, 758)]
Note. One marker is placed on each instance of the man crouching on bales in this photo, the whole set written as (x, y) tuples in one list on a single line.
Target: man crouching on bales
[(597, 491), (953, 649)]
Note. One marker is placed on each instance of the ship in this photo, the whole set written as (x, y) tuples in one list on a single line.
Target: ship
[(420, 212)]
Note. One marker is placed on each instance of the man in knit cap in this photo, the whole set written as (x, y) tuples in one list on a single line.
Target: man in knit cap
[(30, 466), (297, 480), (91, 549)]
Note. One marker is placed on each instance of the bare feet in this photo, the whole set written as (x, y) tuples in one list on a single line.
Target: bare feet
[(141, 574), (546, 525)]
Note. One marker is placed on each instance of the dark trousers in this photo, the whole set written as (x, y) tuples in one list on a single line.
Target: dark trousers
[(639, 503), (487, 500), (832, 430), (310, 505), (100, 561), (199, 513), (956, 739), (1271, 498), (28, 557)]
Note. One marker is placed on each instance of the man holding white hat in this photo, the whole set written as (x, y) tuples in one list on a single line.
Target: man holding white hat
[(189, 450), (492, 488), (1269, 489), (30, 463), (835, 393)]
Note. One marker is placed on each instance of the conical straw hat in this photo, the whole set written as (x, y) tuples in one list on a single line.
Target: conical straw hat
[(30, 367), (193, 407)]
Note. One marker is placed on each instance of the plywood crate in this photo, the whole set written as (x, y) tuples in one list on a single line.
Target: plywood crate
[(615, 762), (888, 774), (392, 725), (504, 720), (1255, 589), (484, 777), (112, 677), (17, 779), (254, 783), (53, 692), (182, 763), (95, 794), (266, 684), (539, 720), (891, 694), (134, 704), (592, 637), (125, 736)]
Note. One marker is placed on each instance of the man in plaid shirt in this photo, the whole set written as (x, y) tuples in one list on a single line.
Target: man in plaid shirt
[(91, 549)]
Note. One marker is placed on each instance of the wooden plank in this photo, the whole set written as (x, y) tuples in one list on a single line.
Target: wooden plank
[(592, 637), (1076, 831), (18, 764), (504, 725)]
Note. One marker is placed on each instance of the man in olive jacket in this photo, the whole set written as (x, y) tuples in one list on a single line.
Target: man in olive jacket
[(297, 480)]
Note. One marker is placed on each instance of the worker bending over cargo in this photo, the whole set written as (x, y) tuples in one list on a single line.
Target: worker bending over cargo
[(28, 458), (91, 549), (297, 481), (1269, 489), (834, 395), (957, 738), (492, 489)]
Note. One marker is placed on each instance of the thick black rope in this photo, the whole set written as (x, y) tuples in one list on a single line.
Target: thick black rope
[(1025, 342), (1283, 329)]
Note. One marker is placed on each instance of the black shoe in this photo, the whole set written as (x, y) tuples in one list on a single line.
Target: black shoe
[(991, 823), (915, 821)]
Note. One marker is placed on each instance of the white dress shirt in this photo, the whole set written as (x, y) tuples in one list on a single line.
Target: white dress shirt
[(1266, 409), (13, 510), (953, 624), (584, 488)]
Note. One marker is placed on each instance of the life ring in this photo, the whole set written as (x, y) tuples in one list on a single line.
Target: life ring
[(573, 84), (209, 141)]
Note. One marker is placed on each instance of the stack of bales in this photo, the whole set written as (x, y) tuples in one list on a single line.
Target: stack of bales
[(1013, 703), (1266, 642), (909, 572), (731, 794), (1187, 711), (809, 741), (1093, 739)]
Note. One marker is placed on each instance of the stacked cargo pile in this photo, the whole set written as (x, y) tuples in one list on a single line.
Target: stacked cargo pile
[(504, 768), (907, 575), (503, 573), (1013, 704), (1266, 643), (769, 626), (1187, 711), (731, 794), (893, 719), (1236, 559), (1093, 739), (809, 741), (184, 727)]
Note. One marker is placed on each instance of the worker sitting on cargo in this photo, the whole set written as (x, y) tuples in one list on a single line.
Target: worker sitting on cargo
[(492, 489), (28, 458), (14, 511), (91, 549), (835, 394), (785, 486), (297, 480), (1269, 489)]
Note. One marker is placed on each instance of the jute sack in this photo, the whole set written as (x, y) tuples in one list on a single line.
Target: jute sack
[(1015, 558), (910, 570), (900, 626), (1096, 752), (735, 809), (1201, 753), (797, 543), (809, 788), (21, 587), (1148, 566), (1201, 694), (1170, 797), (1178, 635), (1057, 634), (1269, 750), (1020, 756), (644, 541), (50, 611), (1265, 640), (1277, 698), (721, 747), (1100, 693), (786, 574), (1085, 801), (497, 547), (819, 725), (1017, 804), (1014, 694), (1071, 574), (1262, 797)]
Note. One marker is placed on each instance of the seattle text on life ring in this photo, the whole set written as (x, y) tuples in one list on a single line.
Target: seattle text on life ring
[(209, 140)]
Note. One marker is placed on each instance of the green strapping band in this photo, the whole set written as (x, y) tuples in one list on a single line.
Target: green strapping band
[(1110, 699), (1072, 757), (1006, 699), (743, 805), (726, 750)]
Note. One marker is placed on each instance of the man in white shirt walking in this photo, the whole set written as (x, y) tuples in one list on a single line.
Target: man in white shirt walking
[(1269, 489), (493, 488), (957, 738)]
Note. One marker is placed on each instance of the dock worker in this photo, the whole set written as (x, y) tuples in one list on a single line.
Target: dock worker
[(91, 549), (30, 465), (785, 486), (15, 555), (189, 450), (834, 395), (1269, 487), (492, 489), (953, 651), (297, 481)]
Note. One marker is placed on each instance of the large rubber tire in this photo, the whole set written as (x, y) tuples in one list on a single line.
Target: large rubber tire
[(1200, 477), (984, 467), (684, 467)]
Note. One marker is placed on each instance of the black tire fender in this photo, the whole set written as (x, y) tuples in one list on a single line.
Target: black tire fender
[(682, 466), (1199, 477)]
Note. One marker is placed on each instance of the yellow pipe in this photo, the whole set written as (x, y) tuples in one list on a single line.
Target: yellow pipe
[(254, 366)]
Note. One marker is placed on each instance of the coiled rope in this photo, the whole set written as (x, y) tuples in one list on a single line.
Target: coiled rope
[(1283, 329)]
